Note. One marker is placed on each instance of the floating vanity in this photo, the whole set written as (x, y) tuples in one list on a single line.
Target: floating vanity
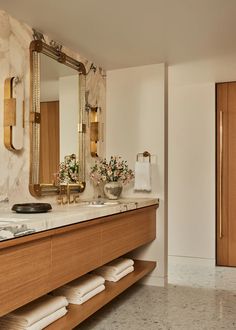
[(57, 247)]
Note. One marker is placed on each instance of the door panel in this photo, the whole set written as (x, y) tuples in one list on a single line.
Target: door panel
[(49, 140), (226, 174), (232, 173)]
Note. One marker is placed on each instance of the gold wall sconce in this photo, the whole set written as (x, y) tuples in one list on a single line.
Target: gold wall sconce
[(94, 130), (13, 114)]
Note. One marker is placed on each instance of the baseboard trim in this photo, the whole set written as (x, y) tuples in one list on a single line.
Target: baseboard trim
[(192, 260), (155, 281)]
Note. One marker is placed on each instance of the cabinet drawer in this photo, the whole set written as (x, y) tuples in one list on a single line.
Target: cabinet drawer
[(127, 232), (24, 273), (75, 253)]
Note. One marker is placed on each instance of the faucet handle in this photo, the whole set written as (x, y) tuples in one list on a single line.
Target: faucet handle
[(59, 200), (76, 198), (62, 200)]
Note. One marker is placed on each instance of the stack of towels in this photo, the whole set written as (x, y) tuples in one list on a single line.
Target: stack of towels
[(36, 315), (82, 289), (116, 269)]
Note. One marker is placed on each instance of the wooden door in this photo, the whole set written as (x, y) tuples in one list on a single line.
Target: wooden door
[(226, 173), (49, 141)]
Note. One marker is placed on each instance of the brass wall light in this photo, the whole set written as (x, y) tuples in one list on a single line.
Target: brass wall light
[(13, 113)]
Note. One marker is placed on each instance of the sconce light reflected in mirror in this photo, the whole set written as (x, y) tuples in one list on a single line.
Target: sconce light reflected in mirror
[(13, 113), (96, 127), (94, 130)]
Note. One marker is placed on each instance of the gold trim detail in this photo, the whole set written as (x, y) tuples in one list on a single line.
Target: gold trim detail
[(35, 117), (36, 188)]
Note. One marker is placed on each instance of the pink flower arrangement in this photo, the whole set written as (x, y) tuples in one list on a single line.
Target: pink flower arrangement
[(69, 170), (114, 170)]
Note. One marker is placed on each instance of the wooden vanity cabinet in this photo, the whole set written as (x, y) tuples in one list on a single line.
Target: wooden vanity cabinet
[(74, 253), (125, 233), (25, 271), (34, 265)]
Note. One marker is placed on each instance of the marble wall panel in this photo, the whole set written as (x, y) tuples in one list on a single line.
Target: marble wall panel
[(15, 38)]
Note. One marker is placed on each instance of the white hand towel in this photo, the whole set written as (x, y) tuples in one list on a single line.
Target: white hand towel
[(73, 298), (36, 310), (142, 176), (115, 267), (116, 277), (39, 325), (83, 285)]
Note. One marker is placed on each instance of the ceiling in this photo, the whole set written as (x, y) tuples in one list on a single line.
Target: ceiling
[(125, 33)]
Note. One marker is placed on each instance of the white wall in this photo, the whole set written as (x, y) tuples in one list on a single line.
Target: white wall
[(192, 154), (135, 123), (69, 111), (191, 170), (49, 90)]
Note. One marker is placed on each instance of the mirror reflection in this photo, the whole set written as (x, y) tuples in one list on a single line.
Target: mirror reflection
[(59, 108)]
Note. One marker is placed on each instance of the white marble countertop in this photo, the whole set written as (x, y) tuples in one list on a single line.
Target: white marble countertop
[(13, 225)]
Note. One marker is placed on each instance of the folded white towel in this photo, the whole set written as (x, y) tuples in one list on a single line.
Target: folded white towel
[(39, 325), (114, 267), (77, 299), (115, 277), (82, 285), (142, 176), (36, 310), (48, 319)]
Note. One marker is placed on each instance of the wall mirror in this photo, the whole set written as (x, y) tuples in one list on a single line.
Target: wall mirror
[(57, 118)]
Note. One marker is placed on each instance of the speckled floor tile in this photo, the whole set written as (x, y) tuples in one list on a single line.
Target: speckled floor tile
[(200, 275), (206, 304)]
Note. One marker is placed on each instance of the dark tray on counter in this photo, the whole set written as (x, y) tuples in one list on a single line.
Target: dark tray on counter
[(31, 207)]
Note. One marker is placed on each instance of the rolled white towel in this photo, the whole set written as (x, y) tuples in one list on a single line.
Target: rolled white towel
[(115, 277), (114, 267), (39, 325), (81, 286), (33, 312), (73, 298)]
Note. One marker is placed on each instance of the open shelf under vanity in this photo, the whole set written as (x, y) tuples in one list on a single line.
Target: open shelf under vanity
[(78, 313)]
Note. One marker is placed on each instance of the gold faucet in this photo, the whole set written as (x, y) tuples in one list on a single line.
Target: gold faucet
[(62, 200), (65, 196), (69, 200)]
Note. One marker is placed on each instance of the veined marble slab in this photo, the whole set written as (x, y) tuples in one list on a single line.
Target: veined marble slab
[(13, 225)]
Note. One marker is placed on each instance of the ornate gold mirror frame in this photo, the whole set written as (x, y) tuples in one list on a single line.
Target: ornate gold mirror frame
[(35, 186)]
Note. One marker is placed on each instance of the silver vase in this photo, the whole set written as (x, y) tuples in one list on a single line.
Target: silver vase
[(112, 190)]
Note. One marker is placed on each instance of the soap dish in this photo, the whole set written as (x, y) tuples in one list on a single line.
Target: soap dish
[(31, 207)]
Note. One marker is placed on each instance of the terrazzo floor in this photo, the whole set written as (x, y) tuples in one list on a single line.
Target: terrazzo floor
[(196, 298)]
